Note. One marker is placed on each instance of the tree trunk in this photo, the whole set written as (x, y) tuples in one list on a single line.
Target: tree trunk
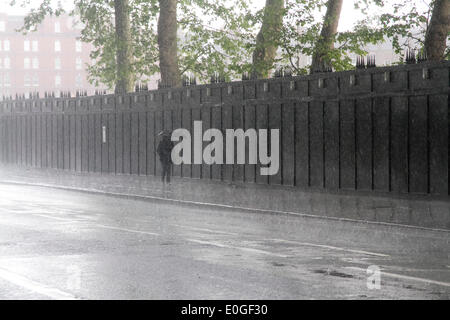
[(125, 77), (436, 37), (167, 42), (267, 38), (326, 41)]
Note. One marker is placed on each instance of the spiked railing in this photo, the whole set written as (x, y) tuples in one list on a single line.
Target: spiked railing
[(371, 61), (139, 87), (189, 80), (410, 56), (421, 56), (360, 63), (217, 78)]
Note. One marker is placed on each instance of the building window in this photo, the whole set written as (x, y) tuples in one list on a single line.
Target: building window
[(26, 45), (79, 81), (57, 63), (78, 64), (7, 63), (35, 80), (57, 46), (7, 80), (57, 27), (26, 63), (57, 80), (2, 26), (35, 63), (27, 80), (34, 46), (78, 46), (1, 64), (6, 45)]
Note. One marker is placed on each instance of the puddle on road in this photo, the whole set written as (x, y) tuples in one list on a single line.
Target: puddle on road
[(333, 273), (167, 243), (277, 264)]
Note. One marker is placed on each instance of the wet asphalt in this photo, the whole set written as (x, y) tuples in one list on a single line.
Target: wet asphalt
[(58, 244)]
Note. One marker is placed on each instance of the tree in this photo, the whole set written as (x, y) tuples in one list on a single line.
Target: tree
[(438, 30), (267, 40), (306, 33), (409, 26), (327, 36), (167, 42), (125, 79), (107, 26), (99, 30), (205, 50), (217, 36)]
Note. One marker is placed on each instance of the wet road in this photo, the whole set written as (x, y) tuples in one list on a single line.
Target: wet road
[(57, 244)]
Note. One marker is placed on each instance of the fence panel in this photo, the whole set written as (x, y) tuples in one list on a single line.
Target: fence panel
[(331, 144), (381, 129)]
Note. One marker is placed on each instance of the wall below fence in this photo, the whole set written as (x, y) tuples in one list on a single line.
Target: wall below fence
[(380, 129)]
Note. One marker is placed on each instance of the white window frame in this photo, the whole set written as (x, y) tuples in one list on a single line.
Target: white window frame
[(7, 80), (80, 82), (27, 80), (78, 63), (78, 46), (7, 63), (35, 63), (58, 80), (26, 63), (35, 46), (57, 46), (6, 45), (35, 80), (26, 45), (57, 63)]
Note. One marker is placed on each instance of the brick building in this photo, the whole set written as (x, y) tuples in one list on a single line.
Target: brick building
[(48, 59)]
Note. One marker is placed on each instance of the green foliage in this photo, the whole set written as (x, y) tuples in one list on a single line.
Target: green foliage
[(220, 35), (37, 15), (205, 49), (98, 19), (406, 24), (302, 31)]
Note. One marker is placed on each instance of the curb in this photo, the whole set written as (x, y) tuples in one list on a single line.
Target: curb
[(218, 206)]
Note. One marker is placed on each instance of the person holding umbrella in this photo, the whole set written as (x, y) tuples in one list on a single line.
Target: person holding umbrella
[(164, 150)]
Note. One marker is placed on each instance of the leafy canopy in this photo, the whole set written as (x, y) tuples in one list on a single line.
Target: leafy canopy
[(220, 35)]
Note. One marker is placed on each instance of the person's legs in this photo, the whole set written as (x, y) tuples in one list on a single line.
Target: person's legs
[(168, 172), (163, 173)]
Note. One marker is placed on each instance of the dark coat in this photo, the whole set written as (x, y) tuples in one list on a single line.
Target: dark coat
[(164, 150)]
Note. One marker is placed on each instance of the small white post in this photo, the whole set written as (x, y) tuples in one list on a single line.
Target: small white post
[(104, 134)]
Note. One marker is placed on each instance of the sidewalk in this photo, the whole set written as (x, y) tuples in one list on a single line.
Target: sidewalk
[(417, 212)]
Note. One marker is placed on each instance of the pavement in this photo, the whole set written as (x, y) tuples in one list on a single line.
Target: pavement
[(405, 210), (68, 244)]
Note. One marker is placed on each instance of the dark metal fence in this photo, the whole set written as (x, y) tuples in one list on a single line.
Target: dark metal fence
[(381, 129)]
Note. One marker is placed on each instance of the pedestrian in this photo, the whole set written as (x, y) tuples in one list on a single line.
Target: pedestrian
[(164, 150)]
